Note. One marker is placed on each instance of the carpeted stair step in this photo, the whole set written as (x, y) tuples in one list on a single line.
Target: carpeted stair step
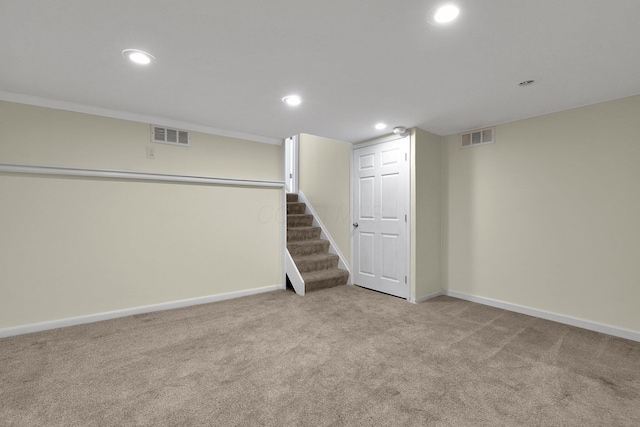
[(316, 262), (296, 208), (308, 247), (295, 234), (299, 220), (322, 279), (318, 267)]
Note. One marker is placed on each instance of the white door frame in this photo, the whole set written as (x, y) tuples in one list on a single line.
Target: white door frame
[(376, 141), (291, 159)]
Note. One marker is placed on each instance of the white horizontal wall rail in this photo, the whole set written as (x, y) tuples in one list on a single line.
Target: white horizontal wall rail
[(141, 176)]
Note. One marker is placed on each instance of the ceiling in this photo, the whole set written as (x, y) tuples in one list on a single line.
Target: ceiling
[(226, 64)]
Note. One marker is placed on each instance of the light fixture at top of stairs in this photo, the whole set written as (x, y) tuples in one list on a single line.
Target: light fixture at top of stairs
[(400, 131)]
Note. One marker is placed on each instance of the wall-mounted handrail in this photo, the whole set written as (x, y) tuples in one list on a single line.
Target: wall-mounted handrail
[(140, 176)]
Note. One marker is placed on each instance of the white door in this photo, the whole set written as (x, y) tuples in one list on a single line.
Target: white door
[(380, 212)]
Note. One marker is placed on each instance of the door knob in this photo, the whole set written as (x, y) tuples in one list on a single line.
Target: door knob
[(355, 224)]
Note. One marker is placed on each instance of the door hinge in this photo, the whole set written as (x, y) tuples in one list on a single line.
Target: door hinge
[(405, 157), (405, 279), (290, 175), (405, 218)]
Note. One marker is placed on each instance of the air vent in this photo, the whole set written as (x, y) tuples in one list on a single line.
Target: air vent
[(477, 137), (165, 135)]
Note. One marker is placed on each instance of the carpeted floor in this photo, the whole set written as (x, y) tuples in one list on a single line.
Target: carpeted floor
[(341, 356)]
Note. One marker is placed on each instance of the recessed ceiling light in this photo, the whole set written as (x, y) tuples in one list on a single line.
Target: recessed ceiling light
[(526, 83), (292, 100), (443, 13), (138, 56), (380, 126)]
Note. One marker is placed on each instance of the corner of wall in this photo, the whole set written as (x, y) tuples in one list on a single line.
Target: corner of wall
[(426, 213), (444, 213)]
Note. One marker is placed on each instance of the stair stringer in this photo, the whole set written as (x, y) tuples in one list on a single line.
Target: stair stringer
[(324, 234), (294, 275)]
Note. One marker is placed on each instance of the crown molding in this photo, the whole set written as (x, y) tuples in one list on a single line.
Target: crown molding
[(21, 98)]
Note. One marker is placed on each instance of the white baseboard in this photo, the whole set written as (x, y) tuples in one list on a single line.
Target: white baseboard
[(426, 297), (90, 318), (555, 317)]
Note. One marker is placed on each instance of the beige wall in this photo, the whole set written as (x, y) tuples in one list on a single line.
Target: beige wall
[(325, 179), (425, 214), (547, 217), (37, 135), (75, 246)]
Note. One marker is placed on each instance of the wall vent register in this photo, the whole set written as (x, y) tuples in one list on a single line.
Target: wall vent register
[(166, 135), (477, 137)]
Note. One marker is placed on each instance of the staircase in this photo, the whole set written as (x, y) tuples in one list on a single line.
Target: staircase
[(318, 268)]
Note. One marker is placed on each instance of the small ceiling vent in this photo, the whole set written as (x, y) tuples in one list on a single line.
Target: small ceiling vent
[(165, 135), (477, 137)]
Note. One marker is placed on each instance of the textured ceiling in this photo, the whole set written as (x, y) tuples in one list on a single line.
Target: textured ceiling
[(227, 63)]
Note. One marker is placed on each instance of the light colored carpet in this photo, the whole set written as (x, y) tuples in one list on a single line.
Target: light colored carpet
[(340, 356)]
